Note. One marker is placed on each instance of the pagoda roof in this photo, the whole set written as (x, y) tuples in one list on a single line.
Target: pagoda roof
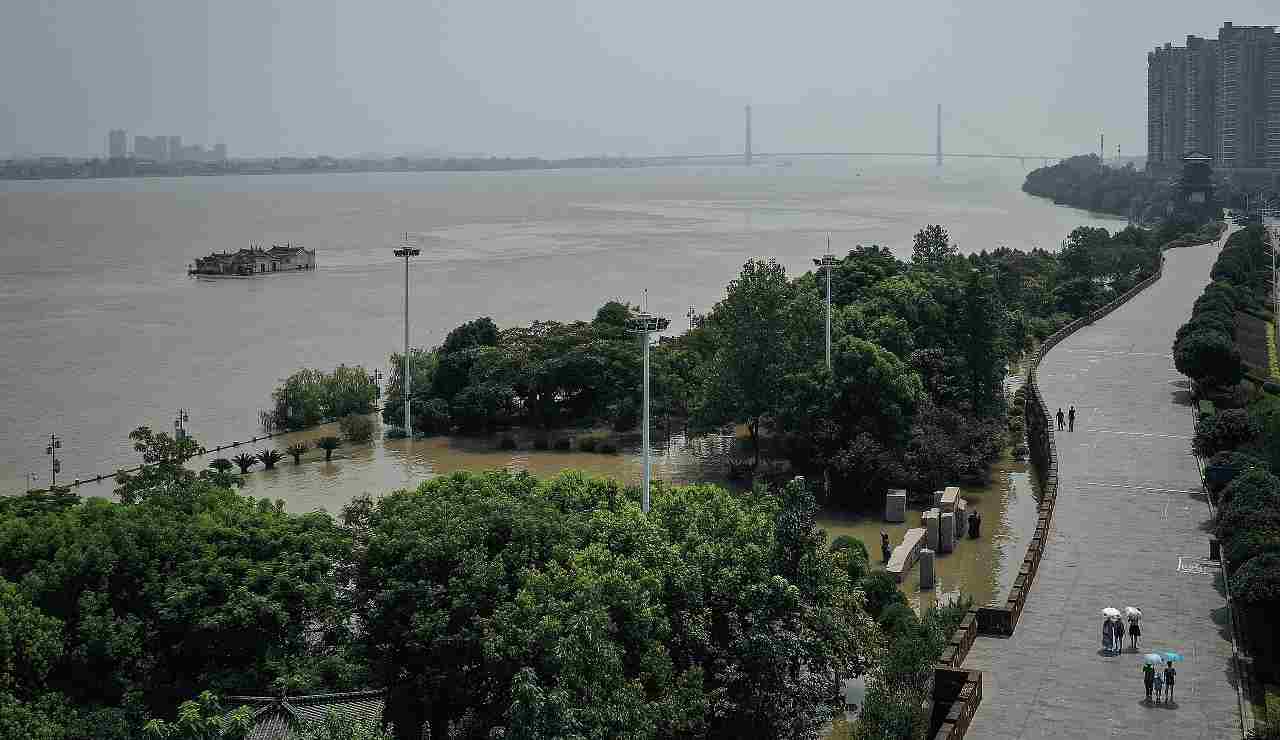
[(284, 717)]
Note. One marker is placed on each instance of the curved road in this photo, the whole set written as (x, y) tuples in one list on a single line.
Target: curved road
[(1129, 529)]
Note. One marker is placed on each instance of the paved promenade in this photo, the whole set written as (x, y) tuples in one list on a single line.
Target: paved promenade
[(1129, 530)]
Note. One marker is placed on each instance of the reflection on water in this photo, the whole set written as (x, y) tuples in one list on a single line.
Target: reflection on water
[(982, 568)]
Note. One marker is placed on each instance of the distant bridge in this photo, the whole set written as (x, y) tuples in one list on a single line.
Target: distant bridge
[(1022, 158), (748, 154)]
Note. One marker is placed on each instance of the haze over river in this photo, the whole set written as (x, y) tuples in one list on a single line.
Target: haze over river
[(103, 330)]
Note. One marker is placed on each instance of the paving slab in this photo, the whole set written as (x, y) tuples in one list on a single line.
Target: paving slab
[(1129, 529)]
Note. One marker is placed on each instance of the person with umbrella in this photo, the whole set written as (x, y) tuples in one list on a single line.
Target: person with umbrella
[(1170, 673), (1110, 640), (1135, 630)]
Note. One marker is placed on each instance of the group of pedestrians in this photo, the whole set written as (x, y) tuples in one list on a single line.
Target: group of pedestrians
[(1161, 682), (1068, 421), (1113, 631)]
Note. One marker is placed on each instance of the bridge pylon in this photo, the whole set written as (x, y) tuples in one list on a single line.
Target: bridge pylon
[(938, 152)]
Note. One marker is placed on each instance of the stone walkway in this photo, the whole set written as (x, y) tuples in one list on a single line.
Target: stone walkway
[(1130, 529)]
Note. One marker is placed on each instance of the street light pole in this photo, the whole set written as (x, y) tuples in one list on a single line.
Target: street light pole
[(180, 431), (407, 251), (643, 324), (828, 261), (31, 482), (51, 450)]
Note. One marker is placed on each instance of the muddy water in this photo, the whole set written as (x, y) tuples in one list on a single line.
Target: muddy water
[(982, 568)]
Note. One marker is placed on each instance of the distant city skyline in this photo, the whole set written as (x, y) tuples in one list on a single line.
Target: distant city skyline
[(569, 78)]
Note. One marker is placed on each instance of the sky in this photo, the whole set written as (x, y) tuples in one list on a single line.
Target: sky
[(564, 78)]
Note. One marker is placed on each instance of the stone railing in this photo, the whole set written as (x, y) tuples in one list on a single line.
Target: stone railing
[(956, 696)]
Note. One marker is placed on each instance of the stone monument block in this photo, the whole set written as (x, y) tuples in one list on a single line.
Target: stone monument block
[(946, 532), (926, 570), (961, 518), (895, 505), (929, 520), (905, 554), (950, 495)]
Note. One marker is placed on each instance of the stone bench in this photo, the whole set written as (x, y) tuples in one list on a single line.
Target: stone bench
[(906, 553)]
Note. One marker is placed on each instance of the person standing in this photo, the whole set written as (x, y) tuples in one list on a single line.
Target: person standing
[(1170, 674), (1071, 419), (1148, 678), (1158, 685), (885, 550), (1061, 419), (1135, 633)]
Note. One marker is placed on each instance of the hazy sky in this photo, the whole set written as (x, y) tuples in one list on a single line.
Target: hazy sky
[(556, 77)]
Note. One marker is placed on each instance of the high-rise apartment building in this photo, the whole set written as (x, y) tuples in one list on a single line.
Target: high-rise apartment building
[(1217, 96), (174, 148), (117, 144)]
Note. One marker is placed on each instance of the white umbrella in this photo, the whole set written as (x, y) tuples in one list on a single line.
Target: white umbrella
[(1133, 612), (1111, 611)]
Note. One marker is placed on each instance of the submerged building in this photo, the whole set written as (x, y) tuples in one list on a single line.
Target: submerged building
[(256, 261)]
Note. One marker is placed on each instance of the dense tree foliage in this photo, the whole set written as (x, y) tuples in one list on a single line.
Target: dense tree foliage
[(1083, 182), (494, 602), (310, 397)]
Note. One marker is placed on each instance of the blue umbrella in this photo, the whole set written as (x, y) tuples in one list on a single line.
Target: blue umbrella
[(1174, 657)]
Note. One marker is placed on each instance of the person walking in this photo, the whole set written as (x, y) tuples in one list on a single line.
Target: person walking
[(885, 550), (1148, 678), (1170, 674), (1061, 419), (1071, 419), (1158, 685), (1135, 633)]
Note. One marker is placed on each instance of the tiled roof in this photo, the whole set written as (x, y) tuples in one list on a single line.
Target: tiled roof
[(281, 717)]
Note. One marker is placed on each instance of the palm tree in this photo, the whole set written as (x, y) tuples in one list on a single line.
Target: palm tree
[(222, 465), (328, 444), (296, 449), (269, 458), (245, 461)]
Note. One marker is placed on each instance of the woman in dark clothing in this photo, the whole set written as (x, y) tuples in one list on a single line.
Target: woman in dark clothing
[(1170, 673), (1135, 633), (1148, 677)]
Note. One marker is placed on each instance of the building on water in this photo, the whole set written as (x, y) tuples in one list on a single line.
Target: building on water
[(256, 261)]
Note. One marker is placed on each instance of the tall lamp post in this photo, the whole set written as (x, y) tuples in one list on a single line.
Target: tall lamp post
[(407, 251), (55, 465), (180, 431), (644, 324), (828, 261)]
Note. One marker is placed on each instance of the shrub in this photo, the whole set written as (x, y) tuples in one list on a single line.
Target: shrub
[(328, 443), (588, 442), (1223, 432), (245, 461), (507, 443), (1232, 463), (1249, 542), (608, 447), (881, 590), (563, 444), (1209, 356), (897, 620), (1258, 580), (433, 417), (395, 433), (1253, 490), (540, 443), (356, 429)]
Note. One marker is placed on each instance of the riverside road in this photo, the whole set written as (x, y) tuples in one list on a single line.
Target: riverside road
[(1130, 529)]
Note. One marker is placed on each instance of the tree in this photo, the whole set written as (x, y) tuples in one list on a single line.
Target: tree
[(222, 465), (1224, 431), (328, 443), (269, 458), (932, 246), (244, 461), (765, 332), (163, 465), (296, 451), (203, 719)]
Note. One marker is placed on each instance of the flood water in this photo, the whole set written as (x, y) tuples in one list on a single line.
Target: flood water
[(103, 330)]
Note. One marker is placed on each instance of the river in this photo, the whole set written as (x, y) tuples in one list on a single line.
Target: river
[(103, 330)]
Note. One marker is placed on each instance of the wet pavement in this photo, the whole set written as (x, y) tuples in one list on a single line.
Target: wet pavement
[(1130, 529)]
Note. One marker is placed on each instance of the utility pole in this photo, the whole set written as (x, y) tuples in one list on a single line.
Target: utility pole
[(828, 261), (55, 466), (180, 431), (643, 324), (1102, 149), (406, 252)]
